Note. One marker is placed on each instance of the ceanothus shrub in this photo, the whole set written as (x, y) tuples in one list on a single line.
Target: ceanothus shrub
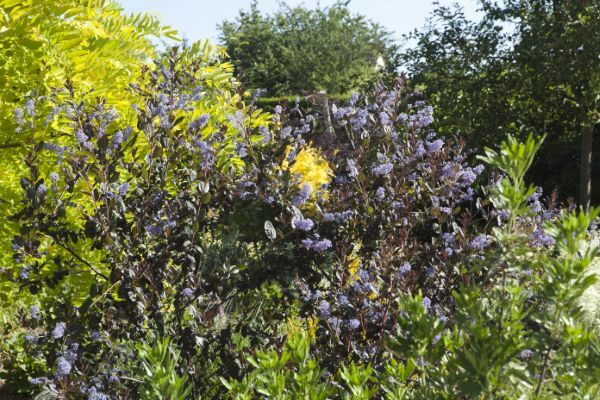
[(221, 230)]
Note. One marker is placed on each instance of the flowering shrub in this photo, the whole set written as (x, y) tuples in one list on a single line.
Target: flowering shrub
[(163, 258)]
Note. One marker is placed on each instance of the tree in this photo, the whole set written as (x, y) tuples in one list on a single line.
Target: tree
[(527, 66), (298, 49)]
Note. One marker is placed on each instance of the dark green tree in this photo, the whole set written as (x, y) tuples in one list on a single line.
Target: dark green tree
[(526, 66), (298, 50)]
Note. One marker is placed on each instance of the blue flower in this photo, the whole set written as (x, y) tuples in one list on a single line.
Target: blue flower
[(316, 245), (94, 394), (187, 293), (19, 116), (63, 368), (59, 330), (31, 339), (353, 324), (426, 302), (303, 224), (380, 194), (54, 177), (34, 312), (435, 146), (30, 107), (539, 238), (41, 190), (324, 309), (405, 268), (266, 134), (479, 242), (525, 354), (352, 170), (278, 109), (382, 169), (117, 139), (303, 195), (286, 132), (81, 137), (343, 300)]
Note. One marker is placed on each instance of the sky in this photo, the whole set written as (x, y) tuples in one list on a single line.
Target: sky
[(198, 19)]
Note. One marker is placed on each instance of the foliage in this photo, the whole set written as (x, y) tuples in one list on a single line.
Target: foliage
[(158, 369), (513, 332), (299, 50), (194, 246), (525, 67)]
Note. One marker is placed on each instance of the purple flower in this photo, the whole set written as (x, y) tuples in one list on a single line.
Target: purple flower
[(384, 118), (266, 134), (31, 339), (24, 274), (187, 293), (435, 146), (19, 116), (94, 394), (286, 132), (59, 330), (317, 245), (117, 139), (525, 354), (63, 368), (303, 196), (382, 169), (153, 230), (54, 177), (359, 120), (324, 309), (81, 137), (199, 122), (278, 109), (380, 194), (353, 324), (448, 238), (352, 170), (404, 269), (207, 154), (426, 302), (397, 204), (123, 188), (41, 190), (337, 217), (343, 300), (363, 275), (479, 242), (303, 224), (30, 107), (34, 312), (539, 238)]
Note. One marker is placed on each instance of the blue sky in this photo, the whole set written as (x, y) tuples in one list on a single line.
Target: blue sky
[(198, 19)]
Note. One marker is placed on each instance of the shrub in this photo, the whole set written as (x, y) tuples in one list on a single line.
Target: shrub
[(212, 240)]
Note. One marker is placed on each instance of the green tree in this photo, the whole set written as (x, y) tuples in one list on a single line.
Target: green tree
[(526, 66), (298, 49)]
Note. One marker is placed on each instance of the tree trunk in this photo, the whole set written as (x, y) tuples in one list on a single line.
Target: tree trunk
[(585, 182)]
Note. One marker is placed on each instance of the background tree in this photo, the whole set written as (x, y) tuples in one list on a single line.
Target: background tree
[(298, 49), (526, 66)]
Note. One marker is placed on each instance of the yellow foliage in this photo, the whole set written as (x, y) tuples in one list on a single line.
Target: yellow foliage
[(296, 325), (311, 168)]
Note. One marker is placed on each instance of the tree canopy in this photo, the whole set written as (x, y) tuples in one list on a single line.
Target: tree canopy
[(526, 66), (297, 49)]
